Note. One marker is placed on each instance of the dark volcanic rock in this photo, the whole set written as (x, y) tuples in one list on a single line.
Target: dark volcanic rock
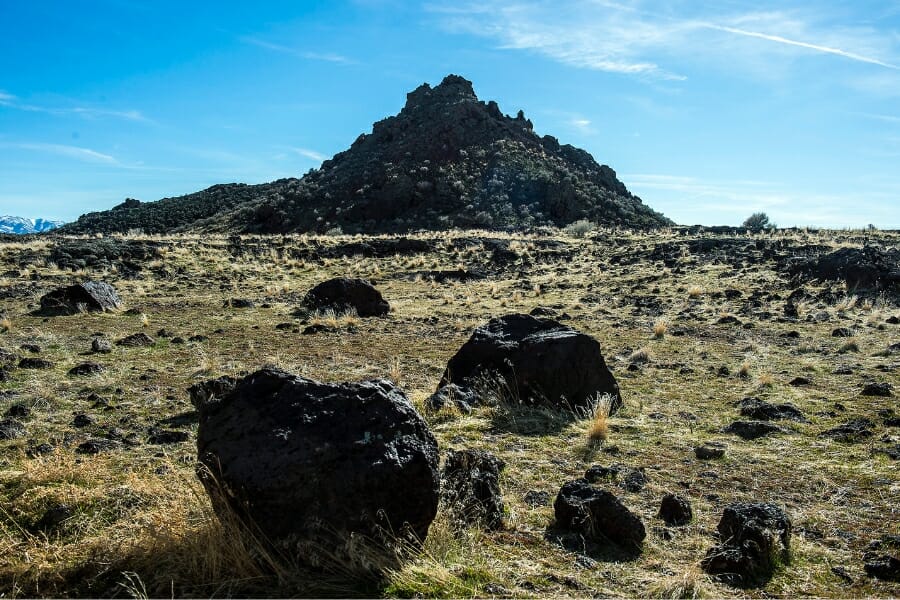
[(883, 566), (539, 360), (597, 514), (167, 436), (87, 368), (470, 487), (96, 446), (860, 268), (710, 450), (755, 538), (877, 389), (751, 430), (851, 431), (462, 397), (344, 294), (211, 390), (101, 346), (755, 408), (675, 510), (311, 464), (90, 296), (35, 363), (135, 340), (11, 429)]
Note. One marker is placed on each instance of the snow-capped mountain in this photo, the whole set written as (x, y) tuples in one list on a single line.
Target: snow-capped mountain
[(23, 225)]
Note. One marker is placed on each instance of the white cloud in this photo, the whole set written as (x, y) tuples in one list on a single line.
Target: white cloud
[(310, 154), (665, 42), (11, 101), (807, 45), (323, 56), (75, 152)]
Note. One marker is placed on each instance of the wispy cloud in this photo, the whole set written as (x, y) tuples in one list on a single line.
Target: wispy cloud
[(629, 39), (816, 47), (310, 154), (74, 152), (323, 56), (11, 101)]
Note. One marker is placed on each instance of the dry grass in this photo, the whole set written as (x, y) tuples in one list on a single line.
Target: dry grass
[(142, 525)]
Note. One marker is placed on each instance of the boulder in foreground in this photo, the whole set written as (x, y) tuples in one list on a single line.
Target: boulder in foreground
[(538, 361), (316, 467), (90, 296)]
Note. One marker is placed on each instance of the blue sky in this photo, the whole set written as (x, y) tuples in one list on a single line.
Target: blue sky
[(707, 110)]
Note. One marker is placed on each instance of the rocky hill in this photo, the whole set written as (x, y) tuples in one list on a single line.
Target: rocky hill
[(446, 160), (23, 226)]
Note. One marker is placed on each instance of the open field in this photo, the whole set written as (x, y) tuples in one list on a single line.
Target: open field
[(140, 524)]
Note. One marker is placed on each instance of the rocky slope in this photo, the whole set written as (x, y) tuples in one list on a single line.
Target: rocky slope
[(446, 160), (21, 225)]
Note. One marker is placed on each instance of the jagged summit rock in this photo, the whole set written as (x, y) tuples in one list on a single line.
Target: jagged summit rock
[(447, 159)]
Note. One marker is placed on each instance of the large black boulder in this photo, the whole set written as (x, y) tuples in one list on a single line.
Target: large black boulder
[(755, 539), (471, 487), (344, 294), (539, 361), (597, 514), (90, 296), (312, 465)]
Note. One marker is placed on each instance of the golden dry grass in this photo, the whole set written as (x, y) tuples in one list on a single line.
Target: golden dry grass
[(143, 526)]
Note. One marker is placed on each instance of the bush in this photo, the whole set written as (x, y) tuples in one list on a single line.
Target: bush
[(758, 222), (580, 228)]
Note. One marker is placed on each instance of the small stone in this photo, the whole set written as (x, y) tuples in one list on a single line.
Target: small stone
[(710, 450), (881, 389), (87, 368), (751, 430), (535, 498), (101, 346), (675, 510)]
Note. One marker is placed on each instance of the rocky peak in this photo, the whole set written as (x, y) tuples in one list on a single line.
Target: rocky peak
[(452, 90)]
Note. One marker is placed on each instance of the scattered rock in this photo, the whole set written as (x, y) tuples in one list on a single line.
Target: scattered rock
[(597, 514), (461, 396), (211, 390), (96, 446), (239, 303), (54, 517), (755, 538), (882, 389), (883, 566), (675, 510), (101, 346), (535, 498), (33, 348), (344, 294), (710, 450), (11, 429), (167, 436), (539, 360), (842, 332), (311, 464), (755, 408), (82, 420), (470, 487), (135, 340), (799, 381), (35, 363), (851, 431), (751, 430), (634, 480), (90, 296), (19, 411), (87, 368)]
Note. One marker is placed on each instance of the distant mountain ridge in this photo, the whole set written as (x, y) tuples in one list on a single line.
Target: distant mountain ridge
[(22, 226), (446, 160)]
